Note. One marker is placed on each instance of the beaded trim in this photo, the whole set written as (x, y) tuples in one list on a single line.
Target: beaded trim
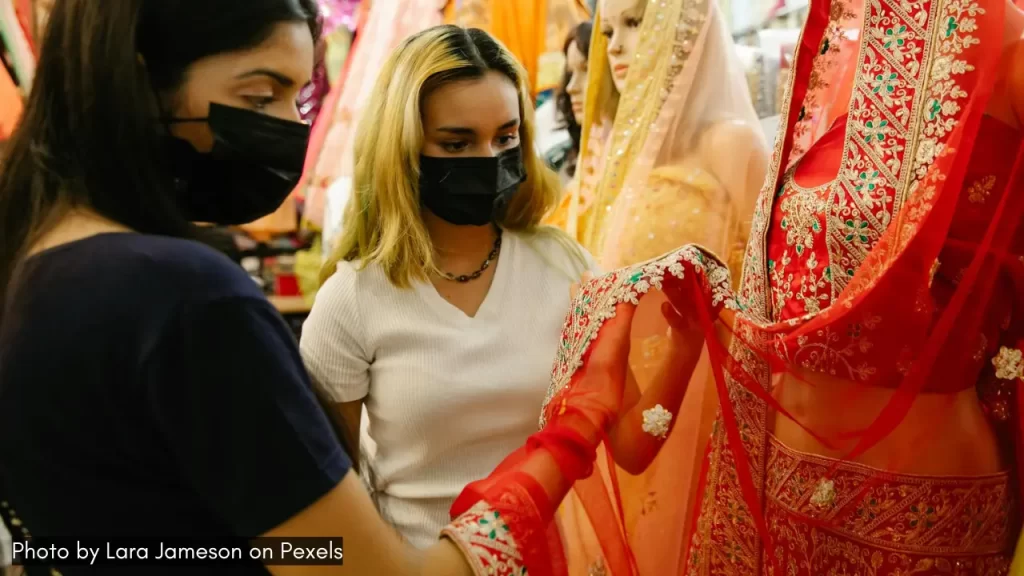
[(484, 539), (596, 301)]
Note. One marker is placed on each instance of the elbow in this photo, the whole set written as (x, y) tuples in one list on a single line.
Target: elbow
[(633, 453)]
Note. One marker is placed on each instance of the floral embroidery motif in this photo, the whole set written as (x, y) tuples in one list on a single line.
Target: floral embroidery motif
[(597, 569), (801, 221), (484, 539), (824, 494), (596, 301), (896, 526), (657, 421), (1009, 364), (980, 190)]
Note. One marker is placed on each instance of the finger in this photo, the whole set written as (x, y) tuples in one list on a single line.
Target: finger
[(574, 289), (675, 320)]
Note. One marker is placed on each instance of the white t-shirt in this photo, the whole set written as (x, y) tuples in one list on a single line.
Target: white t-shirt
[(447, 396)]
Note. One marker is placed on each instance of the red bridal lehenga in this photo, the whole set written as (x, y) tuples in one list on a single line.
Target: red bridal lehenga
[(868, 364)]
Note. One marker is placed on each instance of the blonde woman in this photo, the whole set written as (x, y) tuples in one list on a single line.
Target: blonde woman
[(441, 308)]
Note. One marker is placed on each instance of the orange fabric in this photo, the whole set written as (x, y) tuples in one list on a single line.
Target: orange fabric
[(522, 25), (11, 105)]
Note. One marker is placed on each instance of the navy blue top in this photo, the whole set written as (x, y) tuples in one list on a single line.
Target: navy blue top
[(149, 389)]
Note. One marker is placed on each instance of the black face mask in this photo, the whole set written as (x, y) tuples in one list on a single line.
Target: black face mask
[(471, 191), (255, 163)]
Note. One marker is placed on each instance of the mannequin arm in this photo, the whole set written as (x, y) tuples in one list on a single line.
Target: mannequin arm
[(632, 448)]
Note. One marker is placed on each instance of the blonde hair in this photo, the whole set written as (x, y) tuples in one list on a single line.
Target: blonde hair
[(382, 222)]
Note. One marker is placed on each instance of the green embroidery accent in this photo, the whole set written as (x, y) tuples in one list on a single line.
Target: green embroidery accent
[(883, 82), (897, 36), (875, 130), (869, 181), (934, 109), (635, 277), (951, 26), (857, 229), (493, 533)]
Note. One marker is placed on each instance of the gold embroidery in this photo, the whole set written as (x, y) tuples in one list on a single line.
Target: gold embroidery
[(484, 539), (897, 126), (800, 220), (904, 513), (824, 494), (980, 190)]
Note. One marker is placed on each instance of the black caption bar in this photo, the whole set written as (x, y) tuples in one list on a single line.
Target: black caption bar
[(178, 552)]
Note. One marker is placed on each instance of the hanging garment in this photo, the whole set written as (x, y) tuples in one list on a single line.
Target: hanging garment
[(11, 105), (387, 23), (533, 30), (18, 46)]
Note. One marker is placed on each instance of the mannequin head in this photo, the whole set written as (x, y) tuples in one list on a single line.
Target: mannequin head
[(576, 76), (620, 24)]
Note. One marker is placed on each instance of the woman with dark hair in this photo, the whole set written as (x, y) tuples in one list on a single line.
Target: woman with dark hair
[(148, 389), (572, 93)]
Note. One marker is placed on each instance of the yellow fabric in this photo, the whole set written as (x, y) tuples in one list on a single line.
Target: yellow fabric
[(1017, 568), (679, 205)]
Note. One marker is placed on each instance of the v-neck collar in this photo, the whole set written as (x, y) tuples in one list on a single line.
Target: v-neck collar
[(495, 294)]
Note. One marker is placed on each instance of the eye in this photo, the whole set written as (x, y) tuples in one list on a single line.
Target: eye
[(606, 32), (508, 139), (259, 102), (634, 22), (454, 147)]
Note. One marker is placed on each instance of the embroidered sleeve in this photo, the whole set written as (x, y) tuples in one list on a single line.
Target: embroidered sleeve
[(486, 542)]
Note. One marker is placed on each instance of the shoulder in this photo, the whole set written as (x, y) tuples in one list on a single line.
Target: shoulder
[(141, 263), (731, 136), (348, 291), (557, 251), (735, 153)]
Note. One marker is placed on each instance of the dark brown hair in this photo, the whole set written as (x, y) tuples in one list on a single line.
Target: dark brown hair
[(580, 35)]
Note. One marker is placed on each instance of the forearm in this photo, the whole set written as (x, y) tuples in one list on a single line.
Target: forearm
[(634, 449)]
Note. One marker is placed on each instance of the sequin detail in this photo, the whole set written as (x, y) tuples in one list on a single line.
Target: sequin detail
[(1009, 363), (657, 421)]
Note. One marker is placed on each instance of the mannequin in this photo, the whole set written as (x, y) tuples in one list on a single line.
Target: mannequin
[(710, 160), (681, 162)]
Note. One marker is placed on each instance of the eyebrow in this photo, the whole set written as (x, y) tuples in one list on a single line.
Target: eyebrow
[(469, 131), (276, 76), (637, 11)]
